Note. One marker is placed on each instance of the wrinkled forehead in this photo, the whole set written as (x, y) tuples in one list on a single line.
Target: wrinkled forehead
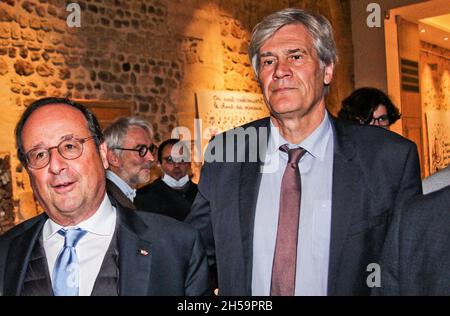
[(49, 123)]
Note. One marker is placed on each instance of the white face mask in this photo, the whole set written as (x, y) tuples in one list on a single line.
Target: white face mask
[(175, 184)]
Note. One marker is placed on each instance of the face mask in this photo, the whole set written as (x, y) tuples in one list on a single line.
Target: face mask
[(175, 184)]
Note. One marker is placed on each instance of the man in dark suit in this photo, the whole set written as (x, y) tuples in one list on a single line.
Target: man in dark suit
[(416, 256), (86, 243), (131, 153), (173, 193), (347, 183)]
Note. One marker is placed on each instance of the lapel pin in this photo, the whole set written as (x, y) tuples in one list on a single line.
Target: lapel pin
[(143, 252)]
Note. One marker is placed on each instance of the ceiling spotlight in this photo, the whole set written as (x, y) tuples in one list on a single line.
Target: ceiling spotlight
[(446, 38), (422, 31)]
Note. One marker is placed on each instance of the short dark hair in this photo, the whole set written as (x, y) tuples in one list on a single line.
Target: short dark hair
[(360, 105), (167, 142), (92, 122)]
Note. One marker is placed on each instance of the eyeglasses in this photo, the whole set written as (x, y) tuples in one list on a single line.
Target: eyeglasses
[(142, 149), (69, 149), (170, 160), (382, 120)]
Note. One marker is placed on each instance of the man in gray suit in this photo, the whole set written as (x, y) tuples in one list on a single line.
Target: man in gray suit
[(351, 178), (86, 243), (416, 256), (131, 154), (436, 181)]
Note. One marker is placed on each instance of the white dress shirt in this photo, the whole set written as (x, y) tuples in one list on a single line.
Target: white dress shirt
[(91, 249), (313, 250), (129, 192)]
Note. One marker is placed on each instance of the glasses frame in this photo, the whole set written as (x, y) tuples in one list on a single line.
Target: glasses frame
[(142, 150), (49, 151), (384, 116)]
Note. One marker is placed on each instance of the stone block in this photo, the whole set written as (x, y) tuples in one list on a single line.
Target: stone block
[(57, 60), (52, 10), (45, 55), (5, 31), (23, 52), (41, 36), (6, 14), (28, 35), (23, 68), (22, 20), (12, 52), (3, 67), (35, 23), (44, 70), (40, 93), (64, 73), (57, 84), (46, 25), (16, 89), (28, 6), (34, 46), (15, 31)]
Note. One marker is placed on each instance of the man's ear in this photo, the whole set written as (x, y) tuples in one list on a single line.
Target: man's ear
[(328, 74), (113, 158), (108, 156)]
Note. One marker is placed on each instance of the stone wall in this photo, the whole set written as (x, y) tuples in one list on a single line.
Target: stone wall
[(155, 53), (6, 198)]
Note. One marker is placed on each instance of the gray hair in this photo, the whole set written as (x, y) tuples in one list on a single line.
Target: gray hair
[(115, 133), (317, 25)]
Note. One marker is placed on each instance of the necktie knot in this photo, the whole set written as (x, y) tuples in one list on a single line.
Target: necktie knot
[(72, 236), (294, 154), (66, 269)]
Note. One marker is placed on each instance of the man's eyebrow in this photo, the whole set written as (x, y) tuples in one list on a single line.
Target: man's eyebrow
[(38, 145), (296, 50), (287, 51), (266, 54), (68, 136), (64, 137)]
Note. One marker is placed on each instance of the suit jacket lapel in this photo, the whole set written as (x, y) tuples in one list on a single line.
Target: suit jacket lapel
[(117, 193), (17, 261), (345, 199), (249, 182), (135, 255)]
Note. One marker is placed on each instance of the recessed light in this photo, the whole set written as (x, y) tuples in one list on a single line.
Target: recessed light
[(446, 38), (422, 31)]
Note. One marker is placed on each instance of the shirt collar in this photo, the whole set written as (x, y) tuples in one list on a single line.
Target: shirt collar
[(123, 186), (101, 223), (315, 144)]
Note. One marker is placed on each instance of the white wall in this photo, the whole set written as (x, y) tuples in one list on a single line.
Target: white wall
[(368, 43)]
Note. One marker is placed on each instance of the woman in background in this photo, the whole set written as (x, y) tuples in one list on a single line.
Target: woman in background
[(369, 106)]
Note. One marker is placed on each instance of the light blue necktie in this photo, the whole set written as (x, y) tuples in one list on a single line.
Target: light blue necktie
[(66, 270)]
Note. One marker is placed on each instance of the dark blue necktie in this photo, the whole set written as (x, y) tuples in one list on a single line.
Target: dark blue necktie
[(66, 270)]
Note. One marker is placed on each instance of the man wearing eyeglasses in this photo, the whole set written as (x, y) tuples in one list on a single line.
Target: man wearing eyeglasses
[(131, 153), (173, 193), (86, 243)]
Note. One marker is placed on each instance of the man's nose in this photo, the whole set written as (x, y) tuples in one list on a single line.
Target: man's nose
[(282, 69), (56, 163), (149, 156)]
